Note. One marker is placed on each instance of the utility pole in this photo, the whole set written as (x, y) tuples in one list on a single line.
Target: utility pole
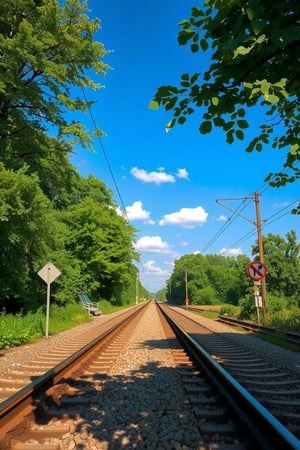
[(137, 285), (260, 252), (258, 224), (186, 287)]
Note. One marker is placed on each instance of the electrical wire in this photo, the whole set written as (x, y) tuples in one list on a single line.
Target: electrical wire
[(230, 220), (267, 223), (224, 226), (105, 155), (235, 214)]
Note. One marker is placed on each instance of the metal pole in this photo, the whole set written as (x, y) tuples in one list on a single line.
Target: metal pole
[(261, 253), (48, 302)]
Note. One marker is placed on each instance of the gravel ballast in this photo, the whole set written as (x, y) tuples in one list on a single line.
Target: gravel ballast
[(141, 404)]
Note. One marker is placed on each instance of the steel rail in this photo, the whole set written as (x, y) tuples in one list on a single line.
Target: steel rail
[(268, 431), (290, 336), (20, 404)]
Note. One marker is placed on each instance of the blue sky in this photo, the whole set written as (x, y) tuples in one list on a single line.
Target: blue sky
[(169, 182)]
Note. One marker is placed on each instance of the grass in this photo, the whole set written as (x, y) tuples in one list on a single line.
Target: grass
[(209, 314), (277, 339), (287, 322), (19, 329), (107, 308)]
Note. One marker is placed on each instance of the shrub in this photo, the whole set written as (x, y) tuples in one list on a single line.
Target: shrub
[(19, 329), (205, 296), (247, 307), (285, 319), (229, 310), (276, 304)]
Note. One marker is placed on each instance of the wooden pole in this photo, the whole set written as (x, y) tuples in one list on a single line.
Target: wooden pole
[(261, 253)]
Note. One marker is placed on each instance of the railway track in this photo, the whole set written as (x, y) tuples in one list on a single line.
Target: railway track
[(82, 395), (275, 388), (289, 336)]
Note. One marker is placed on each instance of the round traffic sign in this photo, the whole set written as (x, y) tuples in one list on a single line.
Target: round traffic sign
[(256, 270)]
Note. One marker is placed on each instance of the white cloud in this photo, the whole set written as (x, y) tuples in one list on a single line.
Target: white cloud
[(152, 244), (231, 251), (182, 173), (154, 276), (222, 218), (186, 217), (136, 212), (151, 269), (157, 177)]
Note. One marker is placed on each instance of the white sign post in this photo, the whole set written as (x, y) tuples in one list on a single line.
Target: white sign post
[(48, 273)]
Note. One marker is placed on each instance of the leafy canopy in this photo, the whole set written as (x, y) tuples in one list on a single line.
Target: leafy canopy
[(255, 50), (45, 52)]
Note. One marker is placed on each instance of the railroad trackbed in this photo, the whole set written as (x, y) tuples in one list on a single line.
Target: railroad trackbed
[(143, 381)]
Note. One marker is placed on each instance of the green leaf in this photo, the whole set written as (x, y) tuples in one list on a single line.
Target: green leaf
[(264, 138), (204, 44), (239, 134), (205, 127), (281, 83), (257, 25), (294, 149), (219, 122), (215, 101), (265, 86), (171, 103), (170, 125), (181, 120), (241, 112), (229, 137), (242, 124), (241, 50), (271, 98), (153, 104), (197, 12), (184, 36), (250, 13), (228, 125), (194, 78), (261, 39)]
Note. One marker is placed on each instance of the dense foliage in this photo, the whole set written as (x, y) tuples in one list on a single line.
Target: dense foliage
[(216, 279), (48, 212), (254, 52), (209, 279)]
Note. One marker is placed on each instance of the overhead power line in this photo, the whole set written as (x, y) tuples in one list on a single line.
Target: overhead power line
[(228, 223), (258, 224), (231, 219), (105, 156)]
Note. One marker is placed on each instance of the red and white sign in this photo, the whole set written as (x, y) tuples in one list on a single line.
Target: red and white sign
[(256, 270)]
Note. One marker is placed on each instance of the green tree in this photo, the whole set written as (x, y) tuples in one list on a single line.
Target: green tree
[(46, 49), (194, 266), (254, 48), (47, 210), (242, 281), (227, 275), (283, 264), (29, 233), (101, 241), (222, 279)]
